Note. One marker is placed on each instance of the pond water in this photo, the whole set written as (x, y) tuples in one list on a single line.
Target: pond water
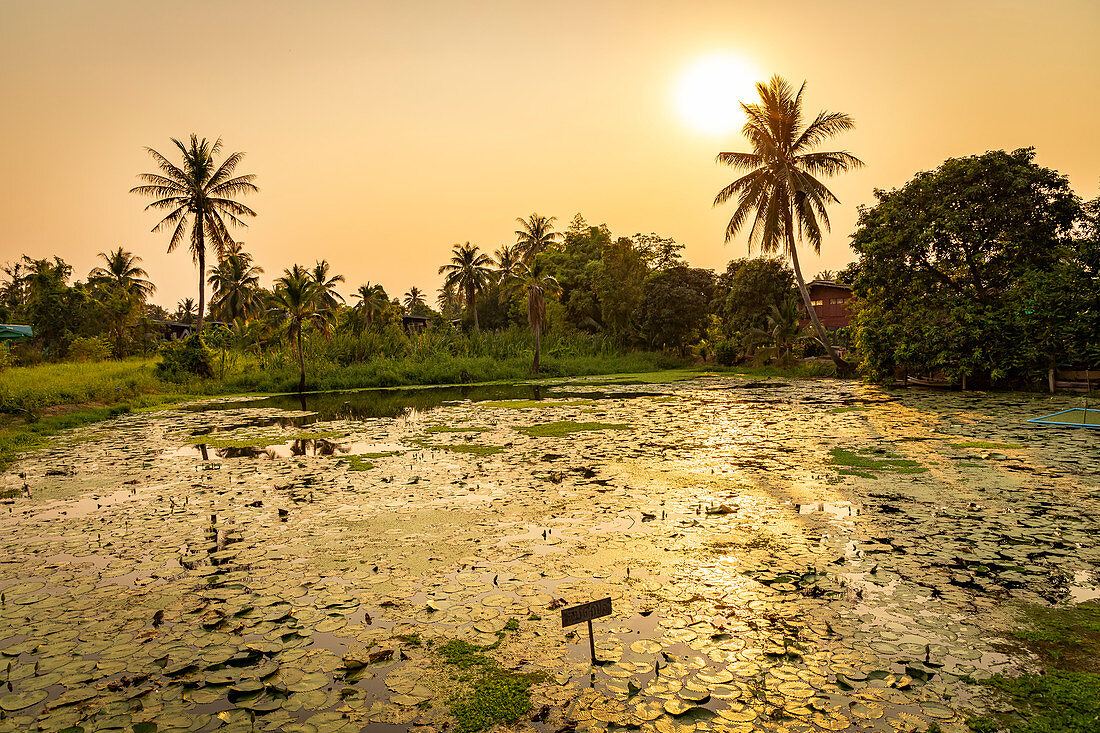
[(781, 555)]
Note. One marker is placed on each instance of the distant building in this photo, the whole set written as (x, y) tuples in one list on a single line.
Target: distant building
[(13, 332), (415, 324), (830, 302)]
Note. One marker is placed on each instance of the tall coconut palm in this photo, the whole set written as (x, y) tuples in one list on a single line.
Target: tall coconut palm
[(296, 296), (538, 283), (236, 286), (469, 271), (328, 300), (185, 311), (201, 194), (781, 192), (535, 235), (373, 302), (413, 298), (448, 301), (122, 269)]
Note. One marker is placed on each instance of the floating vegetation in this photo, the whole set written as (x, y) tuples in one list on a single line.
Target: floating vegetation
[(987, 445), (535, 404), (565, 427), (849, 408), (865, 460), (751, 589), (453, 429), (358, 463)]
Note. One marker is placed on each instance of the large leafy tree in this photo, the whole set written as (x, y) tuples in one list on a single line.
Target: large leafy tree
[(468, 271), (746, 292), (976, 268), (121, 268), (537, 283), (535, 235), (781, 193), (200, 193), (675, 306), (236, 286), (296, 295)]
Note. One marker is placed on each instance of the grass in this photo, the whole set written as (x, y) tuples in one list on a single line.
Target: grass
[(986, 444), (565, 427), (858, 464), (1065, 697), (489, 694)]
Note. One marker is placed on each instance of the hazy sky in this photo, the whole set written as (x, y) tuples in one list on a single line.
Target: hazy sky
[(383, 133)]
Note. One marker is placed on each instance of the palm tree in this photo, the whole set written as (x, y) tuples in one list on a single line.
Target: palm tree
[(538, 282), (780, 191), (373, 301), (535, 235), (296, 295), (413, 298), (236, 285), (200, 193), (122, 269), (185, 311), (469, 271), (328, 300), (448, 301)]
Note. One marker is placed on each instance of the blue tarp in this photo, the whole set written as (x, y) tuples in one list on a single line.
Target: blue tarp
[(8, 331)]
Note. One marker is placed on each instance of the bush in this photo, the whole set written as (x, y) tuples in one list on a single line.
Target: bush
[(727, 352), (91, 348), (6, 359), (180, 359)]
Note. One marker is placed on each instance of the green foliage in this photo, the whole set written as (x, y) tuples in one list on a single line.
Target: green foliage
[(747, 290), (496, 695), (674, 308), (565, 427), (866, 460), (727, 352), (185, 358), (90, 348), (975, 270)]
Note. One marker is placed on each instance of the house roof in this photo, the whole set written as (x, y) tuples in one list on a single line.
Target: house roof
[(11, 331), (828, 284)]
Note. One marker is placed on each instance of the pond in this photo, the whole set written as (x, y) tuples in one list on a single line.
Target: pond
[(780, 555)]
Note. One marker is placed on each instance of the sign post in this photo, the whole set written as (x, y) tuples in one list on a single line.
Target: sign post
[(587, 612)]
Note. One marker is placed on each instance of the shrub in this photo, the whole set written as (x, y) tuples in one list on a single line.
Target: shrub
[(180, 359), (726, 352), (91, 348), (6, 359)]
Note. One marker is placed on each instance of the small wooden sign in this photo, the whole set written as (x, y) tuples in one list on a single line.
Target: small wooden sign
[(587, 612)]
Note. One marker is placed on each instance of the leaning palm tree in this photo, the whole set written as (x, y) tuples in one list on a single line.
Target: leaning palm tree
[(535, 235), (538, 283), (469, 271), (413, 298), (122, 269), (236, 286), (296, 295), (200, 193), (780, 191)]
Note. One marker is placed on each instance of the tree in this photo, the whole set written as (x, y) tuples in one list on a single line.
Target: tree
[(413, 298), (974, 269), (781, 191), (619, 286), (200, 193), (537, 282), (660, 252), (450, 305), (675, 306), (328, 301), (296, 295), (373, 301), (783, 326), (51, 304), (13, 293), (469, 271), (185, 311), (122, 269), (535, 235), (236, 286), (746, 292)]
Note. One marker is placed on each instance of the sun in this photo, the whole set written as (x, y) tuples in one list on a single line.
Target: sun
[(710, 91)]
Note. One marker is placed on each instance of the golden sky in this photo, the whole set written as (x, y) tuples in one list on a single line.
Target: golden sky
[(382, 133)]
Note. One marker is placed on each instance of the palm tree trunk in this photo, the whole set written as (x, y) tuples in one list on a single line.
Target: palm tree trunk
[(301, 362), (842, 366), (473, 306), (538, 349), (202, 274)]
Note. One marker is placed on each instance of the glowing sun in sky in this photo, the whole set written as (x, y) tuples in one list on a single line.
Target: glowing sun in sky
[(709, 93)]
